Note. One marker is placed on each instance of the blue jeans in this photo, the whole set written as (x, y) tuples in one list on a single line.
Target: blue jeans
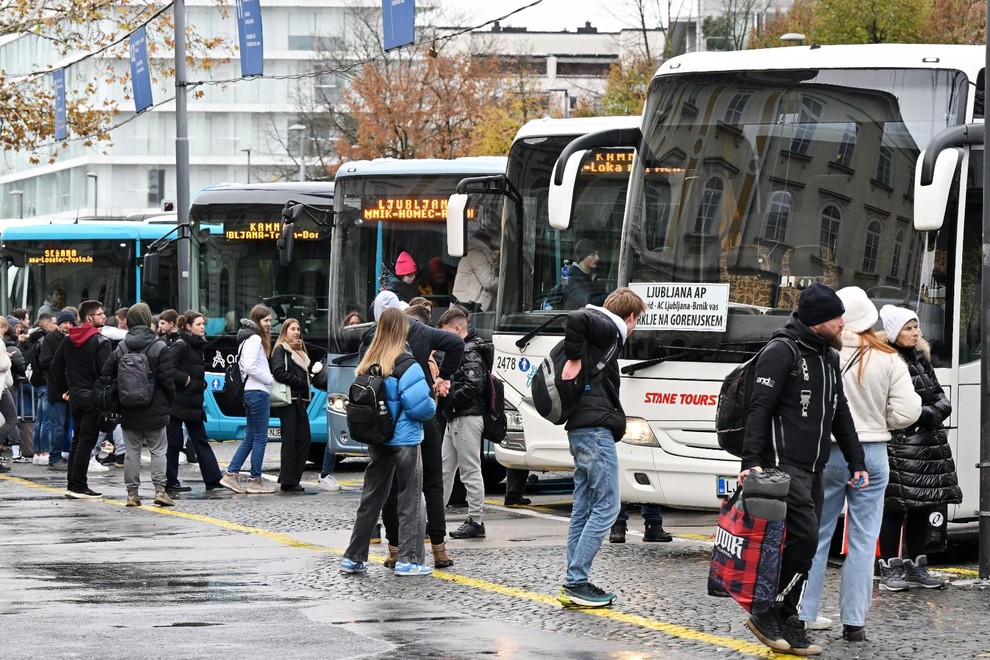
[(255, 433), (58, 430), (596, 498), (651, 513), (329, 461), (42, 445), (865, 516)]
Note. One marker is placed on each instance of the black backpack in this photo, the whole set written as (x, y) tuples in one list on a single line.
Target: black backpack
[(553, 397), (494, 410), (135, 377), (368, 418), (233, 383), (35, 374), (735, 396)]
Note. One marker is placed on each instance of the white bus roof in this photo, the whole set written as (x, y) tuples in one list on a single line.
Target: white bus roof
[(309, 192), (574, 126), (400, 167), (969, 59)]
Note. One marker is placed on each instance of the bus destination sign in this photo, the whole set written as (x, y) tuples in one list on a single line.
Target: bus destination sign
[(265, 231), (61, 256), (608, 161), (407, 209)]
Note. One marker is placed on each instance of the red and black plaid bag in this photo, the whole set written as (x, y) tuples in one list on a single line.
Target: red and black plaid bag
[(746, 559)]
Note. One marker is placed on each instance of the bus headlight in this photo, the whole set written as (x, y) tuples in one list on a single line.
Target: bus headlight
[(337, 403), (638, 432), (513, 419)]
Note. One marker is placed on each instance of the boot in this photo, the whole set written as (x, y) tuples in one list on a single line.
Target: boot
[(393, 556), (162, 498), (656, 534), (133, 499), (440, 557), (916, 574), (618, 533), (892, 575)]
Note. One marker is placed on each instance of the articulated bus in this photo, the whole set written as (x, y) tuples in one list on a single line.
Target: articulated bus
[(236, 266), (761, 172), (383, 208)]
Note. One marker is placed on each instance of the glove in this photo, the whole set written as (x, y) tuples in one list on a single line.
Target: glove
[(315, 368)]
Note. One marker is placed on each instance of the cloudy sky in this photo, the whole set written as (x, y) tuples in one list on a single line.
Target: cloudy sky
[(549, 15)]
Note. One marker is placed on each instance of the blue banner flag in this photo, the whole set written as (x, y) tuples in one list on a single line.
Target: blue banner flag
[(140, 75), (61, 132), (251, 39), (398, 22)]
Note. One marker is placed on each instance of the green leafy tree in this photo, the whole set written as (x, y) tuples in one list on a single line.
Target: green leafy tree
[(798, 19), (869, 21), (625, 90)]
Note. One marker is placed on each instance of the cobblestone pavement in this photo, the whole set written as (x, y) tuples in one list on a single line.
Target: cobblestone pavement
[(265, 568)]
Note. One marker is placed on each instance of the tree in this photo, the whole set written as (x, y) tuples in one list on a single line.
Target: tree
[(798, 19), (520, 100), (625, 90), (730, 29), (955, 22), (869, 22)]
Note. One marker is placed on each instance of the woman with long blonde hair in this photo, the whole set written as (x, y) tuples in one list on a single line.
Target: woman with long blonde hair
[(291, 365), (410, 404)]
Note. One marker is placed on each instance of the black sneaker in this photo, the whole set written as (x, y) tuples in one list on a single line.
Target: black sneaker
[(118, 460), (87, 494), (618, 533), (854, 633), (767, 629), (293, 489), (515, 499), (109, 459), (178, 488), (584, 595), (656, 534), (796, 635), (469, 530)]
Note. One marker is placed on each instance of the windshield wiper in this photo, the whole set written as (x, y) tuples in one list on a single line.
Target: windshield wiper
[(523, 341), (340, 359), (630, 369)]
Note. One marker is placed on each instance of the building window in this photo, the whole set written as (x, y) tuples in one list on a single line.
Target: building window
[(711, 202), (885, 165), (734, 113), (895, 259), (778, 213), (829, 240), (847, 146), (872, 249), (326, 87), (804, 132), (156, 186)]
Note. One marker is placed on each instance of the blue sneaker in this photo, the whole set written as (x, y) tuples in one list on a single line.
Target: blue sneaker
[(409, 569), (585, 595), (351, 566)]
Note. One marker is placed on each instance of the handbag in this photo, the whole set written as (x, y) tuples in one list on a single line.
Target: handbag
[(281, 395)]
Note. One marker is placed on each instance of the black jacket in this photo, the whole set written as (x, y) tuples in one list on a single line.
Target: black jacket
[(49, 345), (187, 360), (284, 370), (423, 340), (581, 290), (467, 387), (797, 408), (588, 336), (33, 345), (18, 365), (922, 472), (156, 414), (78, 361)]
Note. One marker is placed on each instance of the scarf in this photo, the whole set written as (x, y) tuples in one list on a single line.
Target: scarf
[(298, 354)]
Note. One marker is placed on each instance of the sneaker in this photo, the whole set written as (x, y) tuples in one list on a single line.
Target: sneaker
[(40, 459), (656, 534), (258, 487), (4, 468), (768, 630), (469, 530), (118, 460), (618, 533), (162, 498), (232, 480), (106, 460), (213, 485), (820, 623), (95, 466), (584, 595), (178, 488), (133, 500), (22, 459), (854, 633), (327, 482), (515, 499), (351, 566), (87, 494), (796, 635), (59, 466), (293, 489), (892, 575), (916, 574), (410, 569)]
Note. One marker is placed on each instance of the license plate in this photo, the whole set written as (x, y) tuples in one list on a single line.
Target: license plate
[(725, 486), (275, 434)]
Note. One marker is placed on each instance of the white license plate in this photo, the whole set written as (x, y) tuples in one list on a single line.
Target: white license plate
[(725, 486), (274, 433)]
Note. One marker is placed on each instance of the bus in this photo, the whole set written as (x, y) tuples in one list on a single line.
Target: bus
[(533, 294), (236, 265), (761, 172), (382, 208)]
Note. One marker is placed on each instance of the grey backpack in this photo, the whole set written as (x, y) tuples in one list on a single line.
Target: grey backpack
[(135, 380)]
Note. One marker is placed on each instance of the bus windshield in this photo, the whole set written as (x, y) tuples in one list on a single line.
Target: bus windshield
[(543, 272), (753, 185)]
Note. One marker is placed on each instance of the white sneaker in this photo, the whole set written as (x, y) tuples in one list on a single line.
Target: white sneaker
[(821, 623), (40, 459), (328, 483), (94, 466)]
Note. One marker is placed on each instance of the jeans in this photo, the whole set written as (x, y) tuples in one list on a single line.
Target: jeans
[(208, 466), (133, 439), (329, 461), (436, 522), (255, 433), (651, 514), (42, 444), (58, 430), (596, 498), (462, 453), (865, 513)]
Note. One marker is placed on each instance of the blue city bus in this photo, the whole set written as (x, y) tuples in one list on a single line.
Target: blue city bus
[(236, 266)]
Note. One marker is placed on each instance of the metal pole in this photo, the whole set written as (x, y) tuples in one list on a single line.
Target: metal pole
[(302, 152), (182, 158), (985, 355), (248, 164)]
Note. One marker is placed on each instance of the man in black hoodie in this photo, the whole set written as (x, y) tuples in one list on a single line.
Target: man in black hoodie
[(57, 427), (797, 406), (75, 367)]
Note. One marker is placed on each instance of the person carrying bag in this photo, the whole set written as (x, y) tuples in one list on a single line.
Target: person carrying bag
[(290, 368)]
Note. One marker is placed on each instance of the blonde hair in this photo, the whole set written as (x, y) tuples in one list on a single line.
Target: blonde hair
[(286, 324), (389, 342), (868, 339)]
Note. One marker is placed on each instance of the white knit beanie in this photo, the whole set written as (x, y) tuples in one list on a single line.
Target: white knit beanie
[(861, 313), (894, 319), (387, 299)]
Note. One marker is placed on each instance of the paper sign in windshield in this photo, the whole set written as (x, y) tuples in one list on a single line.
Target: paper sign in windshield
[(684, 307)]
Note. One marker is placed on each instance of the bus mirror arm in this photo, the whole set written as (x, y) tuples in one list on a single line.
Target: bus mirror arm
[(936, 170), (616, 137), (340, 359), (954, 136)]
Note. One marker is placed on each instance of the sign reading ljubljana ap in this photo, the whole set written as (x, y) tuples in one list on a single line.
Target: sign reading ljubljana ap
[(684, 307)]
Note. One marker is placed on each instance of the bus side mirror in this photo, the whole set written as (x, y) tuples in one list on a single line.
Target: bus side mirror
[(931, 200), (561, 197), (286, 241), (456, 220), (149, 270)]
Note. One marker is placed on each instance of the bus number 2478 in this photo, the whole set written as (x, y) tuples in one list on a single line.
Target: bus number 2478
[(505, 363)]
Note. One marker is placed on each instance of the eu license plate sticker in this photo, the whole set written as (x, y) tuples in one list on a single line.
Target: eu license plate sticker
[(725, 486), (276, 434)]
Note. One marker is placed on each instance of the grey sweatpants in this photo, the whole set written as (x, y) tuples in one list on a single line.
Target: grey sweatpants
[(462, 453), (157, 444)]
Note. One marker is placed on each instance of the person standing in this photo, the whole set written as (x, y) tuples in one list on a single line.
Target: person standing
[(187, 407), (144, 424), (652, 517), (595, 335), (58, 409), (254, 345), (922, 473), (37, 380), (75, 367), (477, 272), (290, 364), (403, 284), (168, 330), (800, 397)]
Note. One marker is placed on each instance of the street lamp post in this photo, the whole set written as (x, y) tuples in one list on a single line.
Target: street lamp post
[(96, 190), (247, 150), (302, 149), (19, 194)]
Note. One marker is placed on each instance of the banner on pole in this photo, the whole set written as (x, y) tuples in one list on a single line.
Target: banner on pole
[(250, 36), (398, 22), (140, 74), (61, 131)]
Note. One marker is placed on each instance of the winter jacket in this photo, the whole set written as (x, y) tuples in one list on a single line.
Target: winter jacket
[(284, 370), (6, 379), (581, 290), (49, 346), (253, 361), (589, 333), (405, 292), (33, 346), (156, 414), (18, 365), (409, 401), (187, 360), (797, 407), (78, 362), (922, 472), (422, 341), (467, 387), (477, 276)]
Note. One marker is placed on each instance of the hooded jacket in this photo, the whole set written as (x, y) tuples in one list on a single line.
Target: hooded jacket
[(156, 414), (409, 401), (796, 408), (588, 335), (77, 363), (18, 365), (187, 359), (49, 346), (253, 361), (467, 387), (580, 289)]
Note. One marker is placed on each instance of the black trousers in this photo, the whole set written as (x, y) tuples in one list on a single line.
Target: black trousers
[(515, 481), (208, 466), (83, 442), (804, 510), (436, 522), (915, 524), (296, 439)]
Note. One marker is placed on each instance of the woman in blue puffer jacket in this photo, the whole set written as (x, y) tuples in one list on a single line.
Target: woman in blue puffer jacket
[(409, 402)]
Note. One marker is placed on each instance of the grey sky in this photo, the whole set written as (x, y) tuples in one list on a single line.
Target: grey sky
[(549, 15)]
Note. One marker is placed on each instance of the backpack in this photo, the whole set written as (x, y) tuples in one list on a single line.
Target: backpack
[(135, 380), (368, 418), (553, 397), (104, 395), (233, 382), (35, 374), (494, 410), (735, 396)]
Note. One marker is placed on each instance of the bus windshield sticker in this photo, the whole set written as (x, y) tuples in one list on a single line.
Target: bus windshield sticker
[(683, 306)]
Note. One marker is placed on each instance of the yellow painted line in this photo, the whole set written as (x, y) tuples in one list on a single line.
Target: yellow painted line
[(674, 630), (968, 572)]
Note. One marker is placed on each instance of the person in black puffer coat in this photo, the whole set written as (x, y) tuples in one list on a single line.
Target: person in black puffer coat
[(290, 365), (187, 407), (922, 473)]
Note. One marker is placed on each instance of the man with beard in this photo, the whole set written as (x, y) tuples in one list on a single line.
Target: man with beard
[(797, 406)]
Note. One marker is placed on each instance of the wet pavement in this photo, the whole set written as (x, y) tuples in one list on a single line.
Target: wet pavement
[(253, 576)]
